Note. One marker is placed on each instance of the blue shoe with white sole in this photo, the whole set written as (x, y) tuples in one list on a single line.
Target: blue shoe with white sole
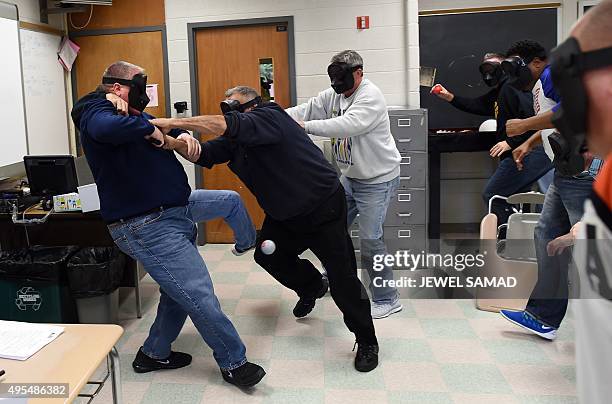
[(530, 323)]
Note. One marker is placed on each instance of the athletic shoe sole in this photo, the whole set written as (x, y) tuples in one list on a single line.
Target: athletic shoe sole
[(366, 369), (392, 311), (142, 369), (240, 253), (256, 378), (539, 334)]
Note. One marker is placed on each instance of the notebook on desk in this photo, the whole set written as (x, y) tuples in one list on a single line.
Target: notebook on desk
[(19, 341)]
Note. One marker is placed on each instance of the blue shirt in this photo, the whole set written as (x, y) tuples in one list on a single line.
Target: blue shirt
[(132, 176)]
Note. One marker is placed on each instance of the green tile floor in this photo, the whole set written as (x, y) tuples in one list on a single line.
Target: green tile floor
[(432, 352)]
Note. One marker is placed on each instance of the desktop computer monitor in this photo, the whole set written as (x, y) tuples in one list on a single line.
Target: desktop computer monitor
[(51, 175)]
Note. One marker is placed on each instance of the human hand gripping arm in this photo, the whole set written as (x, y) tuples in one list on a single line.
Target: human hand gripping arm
[(208, 124)]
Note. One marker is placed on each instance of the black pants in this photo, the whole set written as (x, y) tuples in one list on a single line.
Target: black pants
[(324, 232)]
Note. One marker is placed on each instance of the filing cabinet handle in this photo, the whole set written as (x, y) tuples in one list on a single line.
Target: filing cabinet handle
[(403, 122), (408, 178), (404, 214), (354, 233), (357, 251), (407, 140), (408, 160), (404, 233), (400, 197)]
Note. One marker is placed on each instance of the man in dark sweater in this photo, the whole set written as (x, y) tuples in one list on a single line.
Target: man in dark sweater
[(504, 102), (304, 203), (144, 198)]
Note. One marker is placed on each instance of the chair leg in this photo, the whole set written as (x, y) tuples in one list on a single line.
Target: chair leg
[(115, 371)]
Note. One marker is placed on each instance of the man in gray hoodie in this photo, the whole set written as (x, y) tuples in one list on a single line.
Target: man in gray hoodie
[(353, 113)]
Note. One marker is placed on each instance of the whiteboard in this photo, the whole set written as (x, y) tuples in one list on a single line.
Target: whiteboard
[(13, 140), (45, 93)]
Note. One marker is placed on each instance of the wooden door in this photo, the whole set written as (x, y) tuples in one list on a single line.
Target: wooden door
[(228, 57), (141, 48)]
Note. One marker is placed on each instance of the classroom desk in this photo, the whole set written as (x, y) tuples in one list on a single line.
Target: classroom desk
[(68, 228), (449, 143), (72, 358)]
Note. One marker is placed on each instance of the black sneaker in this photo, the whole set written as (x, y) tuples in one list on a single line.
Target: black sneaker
[(238, 252), (306, 304), (367, 357), (143, 364), (247, 375)]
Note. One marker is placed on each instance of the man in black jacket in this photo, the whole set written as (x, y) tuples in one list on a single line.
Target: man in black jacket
[(504, 102), (303, 200)]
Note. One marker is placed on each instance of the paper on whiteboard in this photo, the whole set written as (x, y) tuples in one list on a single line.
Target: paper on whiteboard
[(152, 94), (22, 340)]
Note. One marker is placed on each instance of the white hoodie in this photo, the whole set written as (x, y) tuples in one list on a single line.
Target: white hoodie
[(359, 129)]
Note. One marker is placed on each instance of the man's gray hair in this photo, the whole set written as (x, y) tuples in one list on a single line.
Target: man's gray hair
[(248, 92), (119, 70), (350, 57)]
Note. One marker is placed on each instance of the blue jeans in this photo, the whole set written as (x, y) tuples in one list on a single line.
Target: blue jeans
[(371, 201), (563, 207), (164, 242), (508, 180), (209, 204)]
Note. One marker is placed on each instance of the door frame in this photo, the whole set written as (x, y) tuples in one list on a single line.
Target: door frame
[(192, 29)]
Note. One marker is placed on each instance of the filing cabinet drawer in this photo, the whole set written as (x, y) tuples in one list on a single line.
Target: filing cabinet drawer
[(411, 142), (408, 207), (413, 170), (406, 238), (409, 128)]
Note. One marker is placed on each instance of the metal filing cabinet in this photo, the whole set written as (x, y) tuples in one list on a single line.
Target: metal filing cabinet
[(405, 227)]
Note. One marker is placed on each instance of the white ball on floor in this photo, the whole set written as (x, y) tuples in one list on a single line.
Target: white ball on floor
[(268, 247)]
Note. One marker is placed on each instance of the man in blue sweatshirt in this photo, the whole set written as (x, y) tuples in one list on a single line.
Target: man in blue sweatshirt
[(300, 193), (144, 198)]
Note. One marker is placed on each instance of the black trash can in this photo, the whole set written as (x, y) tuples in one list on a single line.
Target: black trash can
[(34, 285), (94, 275)]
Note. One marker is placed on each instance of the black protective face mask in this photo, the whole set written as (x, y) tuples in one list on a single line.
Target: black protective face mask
[(341, 76), (568, 65), (228, 106), (492, 73), (137, 97), (519, 75)]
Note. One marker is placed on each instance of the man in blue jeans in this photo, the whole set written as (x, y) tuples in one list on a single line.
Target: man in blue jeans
[(353, 113), (145, 199), (564, 202)]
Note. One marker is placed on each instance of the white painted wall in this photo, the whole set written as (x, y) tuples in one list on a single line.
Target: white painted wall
[(322, 28)]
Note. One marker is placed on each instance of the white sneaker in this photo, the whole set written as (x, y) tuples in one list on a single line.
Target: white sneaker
[(386, 309)]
